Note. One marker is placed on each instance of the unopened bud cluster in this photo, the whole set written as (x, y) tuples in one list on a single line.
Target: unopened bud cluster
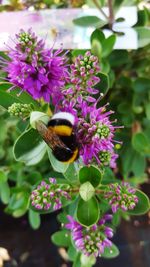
[(48, 195), (103, 131), (83, 77), (121, 196), (105, 157), (20, 110), (84, 66)]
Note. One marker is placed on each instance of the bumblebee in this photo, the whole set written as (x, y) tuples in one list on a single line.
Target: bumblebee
[(60, 136)]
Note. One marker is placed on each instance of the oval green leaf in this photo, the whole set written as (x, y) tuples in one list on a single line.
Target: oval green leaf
[(61, 238), (143, 204), (34, 219), (87, 21), (90, 174), (141, 143), (86, 191), (88, 212), (29, 148), (5, 192), (103, 85), (110, 252)]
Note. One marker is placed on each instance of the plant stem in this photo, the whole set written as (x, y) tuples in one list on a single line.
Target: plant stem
[(99, 191), (100, 9), (111, 13), (76, 190)]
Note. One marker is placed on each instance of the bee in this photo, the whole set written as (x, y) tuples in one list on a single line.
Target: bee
[(59, 134)]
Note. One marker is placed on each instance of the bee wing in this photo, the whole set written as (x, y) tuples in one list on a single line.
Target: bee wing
[(49, 136)]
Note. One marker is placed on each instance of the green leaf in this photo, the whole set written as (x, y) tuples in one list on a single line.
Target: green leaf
[(143, 36), (88, 212), (107, 45), (4, 192), (77, 52), (34, 177), (8, 98), (71, 173), (118, 57), (138, 164), (103, 85), (72, 253), (61, 238), (97, 35), (18, 213), (36, 116), (108, 176), (29, 148), (56, 164), (90, 174), (147, 110), (3, 177), (62, 217), (87, 21), (142, 18), (140, 143), (96, 48), (77, 262), (34, 219), (116, 219), (143, 204), (117, 4), (141, 85), (110, 252), (4, 129), (86, 191), (87, 261)]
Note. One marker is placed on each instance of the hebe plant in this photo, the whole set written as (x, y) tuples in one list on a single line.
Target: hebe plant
[(39, 84)]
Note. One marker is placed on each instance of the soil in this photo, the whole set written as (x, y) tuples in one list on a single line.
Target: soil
[(29, 248)]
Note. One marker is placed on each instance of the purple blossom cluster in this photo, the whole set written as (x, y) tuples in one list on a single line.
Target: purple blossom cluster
[(121, 196), (44, 74), (96, 133), (91, 240), (95, 130), (35, 69), (48, 195), (83, 77)]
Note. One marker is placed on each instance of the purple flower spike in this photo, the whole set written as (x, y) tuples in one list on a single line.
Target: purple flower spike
[(91, 240), (35, 69)]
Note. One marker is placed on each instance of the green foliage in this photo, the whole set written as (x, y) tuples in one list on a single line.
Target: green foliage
[(8, 98), (88, 212), (103, 85), (143, 205), (86, 191), (143, 36), (126, 74), (110, 252), (87, 21), (29, 148), (87, 261), (90, 174), (61, 238), (34, 219)]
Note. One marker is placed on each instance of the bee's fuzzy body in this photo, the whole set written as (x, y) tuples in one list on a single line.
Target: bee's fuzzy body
[(59, 134)]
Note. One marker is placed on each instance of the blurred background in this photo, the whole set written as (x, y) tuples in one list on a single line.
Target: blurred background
[(125, 64)]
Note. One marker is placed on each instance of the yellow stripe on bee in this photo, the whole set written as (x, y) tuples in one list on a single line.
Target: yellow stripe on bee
[(62, 130), (74, 156)]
